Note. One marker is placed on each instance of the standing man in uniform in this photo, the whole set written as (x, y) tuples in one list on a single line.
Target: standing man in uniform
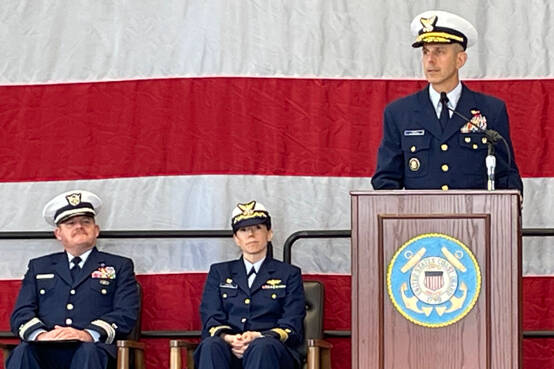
[(74, 304), (425, 145), (252, 308)]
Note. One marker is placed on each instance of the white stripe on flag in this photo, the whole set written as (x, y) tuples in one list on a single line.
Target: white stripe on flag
[(81, 40), (206, 202)]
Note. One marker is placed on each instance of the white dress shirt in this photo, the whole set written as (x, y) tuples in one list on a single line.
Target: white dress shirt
[(248, 265), (453, 98)]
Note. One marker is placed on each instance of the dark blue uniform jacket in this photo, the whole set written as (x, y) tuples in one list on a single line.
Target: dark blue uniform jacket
[(99, 300), (274, 306), (416, 154)]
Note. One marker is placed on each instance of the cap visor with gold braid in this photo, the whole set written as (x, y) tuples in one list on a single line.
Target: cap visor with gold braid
[(248, 214), (436, 26)]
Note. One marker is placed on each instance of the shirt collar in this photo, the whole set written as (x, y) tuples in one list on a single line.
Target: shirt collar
[(453, 98), (83, 257), (248, 265)]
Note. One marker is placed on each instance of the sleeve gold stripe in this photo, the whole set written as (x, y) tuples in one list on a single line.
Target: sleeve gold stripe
[(213, 330), (283, 334), (24, 327), (110, 331)]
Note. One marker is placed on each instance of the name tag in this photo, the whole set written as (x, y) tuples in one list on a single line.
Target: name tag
[(44, 276), (415, 132), (228, 285)]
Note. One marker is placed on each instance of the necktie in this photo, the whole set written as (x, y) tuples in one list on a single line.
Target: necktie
[(76, 270), (251, 276), (444, 111)]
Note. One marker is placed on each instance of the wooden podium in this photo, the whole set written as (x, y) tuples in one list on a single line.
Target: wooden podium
[(488, 336)]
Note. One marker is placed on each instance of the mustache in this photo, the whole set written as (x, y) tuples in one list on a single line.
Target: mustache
[(78, 231)]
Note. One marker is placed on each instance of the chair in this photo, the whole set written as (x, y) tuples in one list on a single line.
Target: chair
[(317, 351), (6, 348), (124, 347)]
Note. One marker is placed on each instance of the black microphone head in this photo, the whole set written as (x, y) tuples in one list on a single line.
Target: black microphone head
[(444, 98)]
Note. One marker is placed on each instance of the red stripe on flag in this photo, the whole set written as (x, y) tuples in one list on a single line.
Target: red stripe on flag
[(229, 126)]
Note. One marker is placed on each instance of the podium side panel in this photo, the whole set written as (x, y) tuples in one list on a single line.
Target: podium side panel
[(367, 282), (505, 281)]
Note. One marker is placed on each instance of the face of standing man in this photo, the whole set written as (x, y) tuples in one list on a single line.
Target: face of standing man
[(441, 63), (443, 38)]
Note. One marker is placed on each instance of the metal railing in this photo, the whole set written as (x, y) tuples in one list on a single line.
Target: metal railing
[(346, 233), (45, 235)]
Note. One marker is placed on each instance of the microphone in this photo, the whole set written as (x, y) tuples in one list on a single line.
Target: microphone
[(490, 134), (492, 138)]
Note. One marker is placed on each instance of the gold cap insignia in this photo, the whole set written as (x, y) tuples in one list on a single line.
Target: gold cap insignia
[(248, 208), (73, 199), (428, 23)]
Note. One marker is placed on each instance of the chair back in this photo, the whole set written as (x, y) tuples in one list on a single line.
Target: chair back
[(314, 292), (135, 333)]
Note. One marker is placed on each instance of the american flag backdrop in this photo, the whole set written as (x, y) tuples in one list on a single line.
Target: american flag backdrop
[(174, 111)]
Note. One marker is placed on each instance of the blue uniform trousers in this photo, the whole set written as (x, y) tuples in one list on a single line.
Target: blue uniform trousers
[(79, 355), (262, 353)]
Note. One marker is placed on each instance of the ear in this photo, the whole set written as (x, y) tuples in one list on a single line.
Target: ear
[(235, 238), (461, 59), (57, 233), (269, 235), (97, 230)]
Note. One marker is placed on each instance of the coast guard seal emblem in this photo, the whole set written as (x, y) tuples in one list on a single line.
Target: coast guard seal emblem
[(433, 280)]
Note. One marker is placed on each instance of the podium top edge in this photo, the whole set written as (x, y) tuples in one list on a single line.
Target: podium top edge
[(433, 192)]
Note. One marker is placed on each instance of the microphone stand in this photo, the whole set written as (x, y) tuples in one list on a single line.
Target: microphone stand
[(490, 162)]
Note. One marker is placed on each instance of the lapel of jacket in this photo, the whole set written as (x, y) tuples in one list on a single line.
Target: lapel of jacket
[(464, 106), (61, 266), (266, 271), (238, 273), (94, 261), (425, 113)]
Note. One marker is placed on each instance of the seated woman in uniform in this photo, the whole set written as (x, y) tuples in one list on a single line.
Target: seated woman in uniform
[(252, 308)]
